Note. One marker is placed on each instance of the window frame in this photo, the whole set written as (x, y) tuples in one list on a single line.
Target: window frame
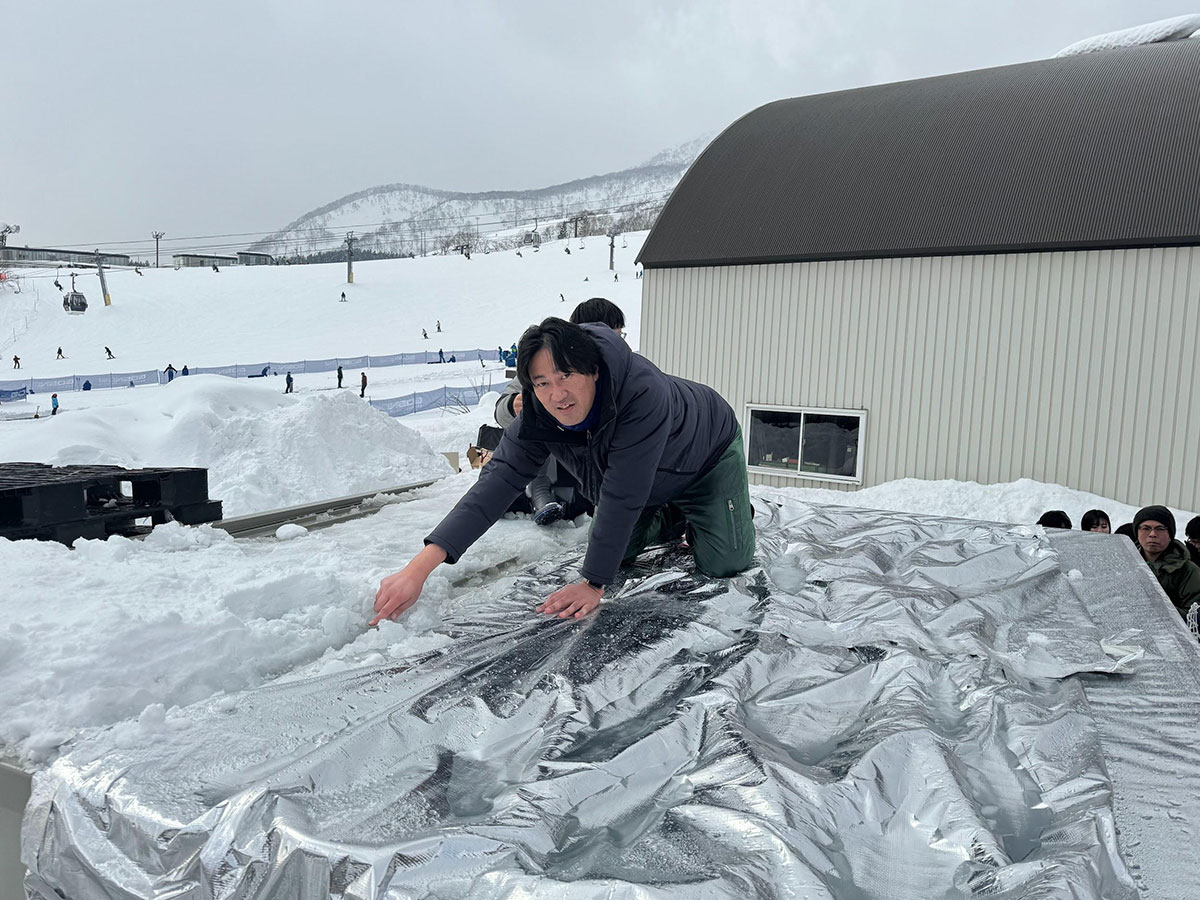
[(861, 414)]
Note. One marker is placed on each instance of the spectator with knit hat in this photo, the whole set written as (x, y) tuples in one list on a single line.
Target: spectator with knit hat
[(1154, 527)]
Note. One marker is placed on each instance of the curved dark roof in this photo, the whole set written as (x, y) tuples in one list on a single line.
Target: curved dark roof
[(1091, 151)]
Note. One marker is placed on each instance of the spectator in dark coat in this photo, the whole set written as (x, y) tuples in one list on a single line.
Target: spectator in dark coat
[(650, 450), (1096, 520), (1167, 557), (1192, 533), (1054, 518), (169, 371), (339, 376), (288, 383), (363, 390)]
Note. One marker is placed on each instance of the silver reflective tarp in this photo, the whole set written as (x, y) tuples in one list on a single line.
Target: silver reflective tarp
[(886, 708)]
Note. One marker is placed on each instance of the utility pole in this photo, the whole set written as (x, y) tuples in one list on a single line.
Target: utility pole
[(103, 283), (350, 258), (612, 247), (157, 237), (575, 220)]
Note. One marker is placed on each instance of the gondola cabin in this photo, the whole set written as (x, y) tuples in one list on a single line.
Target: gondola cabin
[(74, 303)]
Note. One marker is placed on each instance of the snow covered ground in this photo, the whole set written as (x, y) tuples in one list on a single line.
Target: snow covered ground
[(114, 634), (197, 317)]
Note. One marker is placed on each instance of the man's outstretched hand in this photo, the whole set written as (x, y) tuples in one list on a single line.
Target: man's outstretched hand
[(572, 602), (399, 591)]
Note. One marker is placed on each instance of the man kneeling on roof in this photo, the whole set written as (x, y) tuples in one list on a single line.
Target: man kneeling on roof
[(654, 452)]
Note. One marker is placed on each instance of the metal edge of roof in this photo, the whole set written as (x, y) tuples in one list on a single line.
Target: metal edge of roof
[(912, 253)]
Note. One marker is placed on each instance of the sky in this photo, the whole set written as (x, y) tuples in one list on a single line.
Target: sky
[(239, 117)]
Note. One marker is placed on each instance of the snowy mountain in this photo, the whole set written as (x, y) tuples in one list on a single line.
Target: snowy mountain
[(409, 218)]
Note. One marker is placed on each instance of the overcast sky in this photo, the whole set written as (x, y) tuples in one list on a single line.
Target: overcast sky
[(223, 117)]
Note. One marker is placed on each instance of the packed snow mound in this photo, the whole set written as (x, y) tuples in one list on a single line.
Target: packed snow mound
[(1173, 29), (118, 633), (263, 449)]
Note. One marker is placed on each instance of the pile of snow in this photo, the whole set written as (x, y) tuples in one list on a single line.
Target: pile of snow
[(1173, 29), (263, 449), (120, 632)]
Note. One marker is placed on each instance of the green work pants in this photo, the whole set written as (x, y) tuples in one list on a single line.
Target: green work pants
[(716, 511)]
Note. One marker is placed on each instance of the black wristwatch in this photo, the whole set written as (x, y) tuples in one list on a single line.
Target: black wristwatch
[(597, 585)]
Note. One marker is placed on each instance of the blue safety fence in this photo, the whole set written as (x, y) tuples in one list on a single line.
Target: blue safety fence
[(107, 380), (419, 401), (10, 396)]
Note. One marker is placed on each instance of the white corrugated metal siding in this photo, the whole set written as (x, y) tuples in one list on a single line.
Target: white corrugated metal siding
[(1077, 368)]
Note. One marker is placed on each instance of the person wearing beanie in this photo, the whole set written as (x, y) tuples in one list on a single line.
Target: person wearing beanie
[(1179, 577), (1192, 538)]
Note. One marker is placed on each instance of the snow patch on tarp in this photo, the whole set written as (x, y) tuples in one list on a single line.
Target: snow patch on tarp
[(887, 693)]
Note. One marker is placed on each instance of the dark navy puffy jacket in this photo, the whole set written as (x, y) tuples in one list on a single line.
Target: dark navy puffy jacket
[(656, 435)]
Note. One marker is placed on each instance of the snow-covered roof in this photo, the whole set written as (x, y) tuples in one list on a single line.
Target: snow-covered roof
[(1175, 29), (1080, 152)]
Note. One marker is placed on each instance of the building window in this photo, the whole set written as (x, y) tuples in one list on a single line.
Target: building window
[(806, 443)]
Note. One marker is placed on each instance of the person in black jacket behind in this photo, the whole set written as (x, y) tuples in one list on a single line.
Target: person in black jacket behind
[(647, 448)]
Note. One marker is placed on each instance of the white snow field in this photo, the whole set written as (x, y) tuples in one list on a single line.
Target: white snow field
[(247, 314), (115, 634)]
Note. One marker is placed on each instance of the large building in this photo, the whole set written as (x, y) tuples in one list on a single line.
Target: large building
[(983, 276), (192, 260), (46, 256)]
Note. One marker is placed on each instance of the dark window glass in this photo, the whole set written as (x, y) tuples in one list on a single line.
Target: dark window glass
[(774, 439), (829, 445)]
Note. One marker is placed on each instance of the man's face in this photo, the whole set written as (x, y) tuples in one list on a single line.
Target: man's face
[(567, 395), (1153, 537), (1195, 541)]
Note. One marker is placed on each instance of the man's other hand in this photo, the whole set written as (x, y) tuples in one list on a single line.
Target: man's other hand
[(574, 601)]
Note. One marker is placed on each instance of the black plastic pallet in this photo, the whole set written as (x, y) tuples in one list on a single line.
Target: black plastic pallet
[(62, 503)]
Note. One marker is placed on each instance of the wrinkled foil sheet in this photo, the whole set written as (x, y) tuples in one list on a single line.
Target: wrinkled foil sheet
[(886, 708)]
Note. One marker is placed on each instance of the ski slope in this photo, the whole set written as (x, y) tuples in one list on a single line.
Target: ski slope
[(243, 314)]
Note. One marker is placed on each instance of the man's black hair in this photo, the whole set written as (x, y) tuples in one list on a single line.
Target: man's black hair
[(1094, 517), (597, 309), (1054, 518), (572, 348), (1192, 531)]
